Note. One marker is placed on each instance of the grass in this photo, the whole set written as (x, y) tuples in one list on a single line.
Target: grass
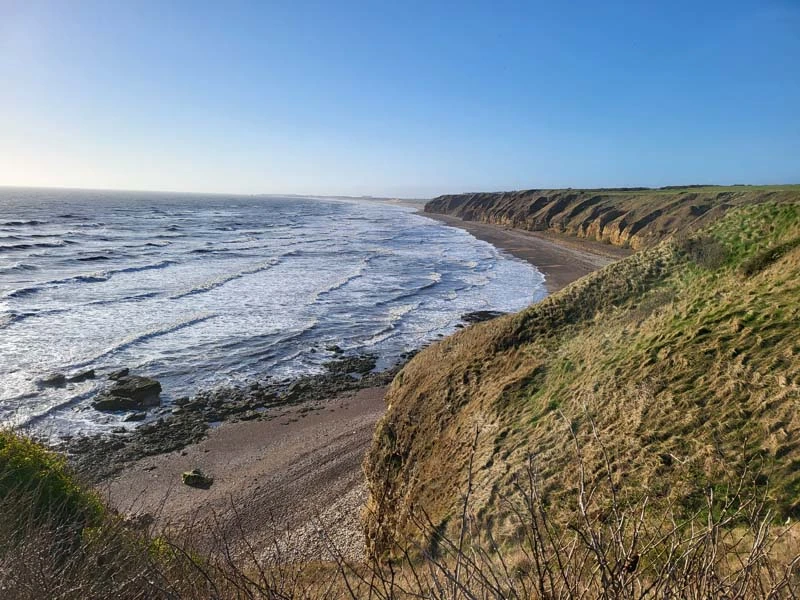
[(28, 470), (633, 436), (685, 357), (729, 547)]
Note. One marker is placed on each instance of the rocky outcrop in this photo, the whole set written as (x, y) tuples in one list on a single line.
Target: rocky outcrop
[(479, 316), (130, 392), (119, 374), (187, 422), (630, 217), (82, 376)]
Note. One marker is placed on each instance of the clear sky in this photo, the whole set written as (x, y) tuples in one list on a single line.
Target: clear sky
[(398, 98)]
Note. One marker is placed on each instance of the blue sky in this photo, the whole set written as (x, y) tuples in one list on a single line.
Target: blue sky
[(398, 98)]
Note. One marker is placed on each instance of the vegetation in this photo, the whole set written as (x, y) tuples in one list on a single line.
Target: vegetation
[(729, 548), (684, 359), (29, 471), (633, 436)]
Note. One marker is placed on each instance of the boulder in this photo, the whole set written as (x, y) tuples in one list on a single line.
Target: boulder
[(196, 478), (135, 416), (144, 390), (81, 376), (115, 375), (108, 402), (130, 392), (53, 380)]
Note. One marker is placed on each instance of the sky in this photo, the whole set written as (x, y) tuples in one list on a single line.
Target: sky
[(404, 99)]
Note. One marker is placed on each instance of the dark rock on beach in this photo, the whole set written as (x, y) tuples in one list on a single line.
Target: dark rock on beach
[(130, 392), (354, 364), (135, 416), (100, 456), (481, 315), (196, 478)]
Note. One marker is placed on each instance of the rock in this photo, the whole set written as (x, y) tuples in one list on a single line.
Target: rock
[(334, 348), (115, 375), (130, 392), (110, 403), (141, 389), (135, 416), (296, 391), (196, 478), (81, 376), (354, 364), (481, 315), (54, 380)]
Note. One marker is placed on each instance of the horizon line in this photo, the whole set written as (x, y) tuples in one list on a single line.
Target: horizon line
[(380, 197)]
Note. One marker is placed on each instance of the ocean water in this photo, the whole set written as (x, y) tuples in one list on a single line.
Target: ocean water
[(200, 291)]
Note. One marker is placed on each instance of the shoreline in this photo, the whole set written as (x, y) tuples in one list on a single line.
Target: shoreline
[(282, 478), (561, 259), (279, 480)]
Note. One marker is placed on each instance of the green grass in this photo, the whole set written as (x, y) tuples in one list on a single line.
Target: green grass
[(41, 478)]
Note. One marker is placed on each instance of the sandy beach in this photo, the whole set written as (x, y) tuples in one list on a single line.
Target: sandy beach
[(280, 480), (561, 259)]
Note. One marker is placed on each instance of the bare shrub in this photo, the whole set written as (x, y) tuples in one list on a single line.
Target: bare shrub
[(609, 547), (704, 250), (730, 548)]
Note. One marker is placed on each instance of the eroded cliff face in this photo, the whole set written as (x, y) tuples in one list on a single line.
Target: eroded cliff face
[(635, 218)]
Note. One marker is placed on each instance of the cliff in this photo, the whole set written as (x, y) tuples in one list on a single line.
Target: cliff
[(632, 217), (676, 369)]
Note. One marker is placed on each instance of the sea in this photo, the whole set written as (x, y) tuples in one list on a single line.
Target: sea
[(200, 291)]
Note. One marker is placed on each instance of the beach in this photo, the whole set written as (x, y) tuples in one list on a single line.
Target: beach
[(562, 259), (283, 480)]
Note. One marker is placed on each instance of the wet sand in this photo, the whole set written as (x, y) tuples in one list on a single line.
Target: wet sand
[(282, 480), (561, 259)]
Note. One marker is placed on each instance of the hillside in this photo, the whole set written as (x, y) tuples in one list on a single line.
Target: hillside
[(631, 217), (677, 369)]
